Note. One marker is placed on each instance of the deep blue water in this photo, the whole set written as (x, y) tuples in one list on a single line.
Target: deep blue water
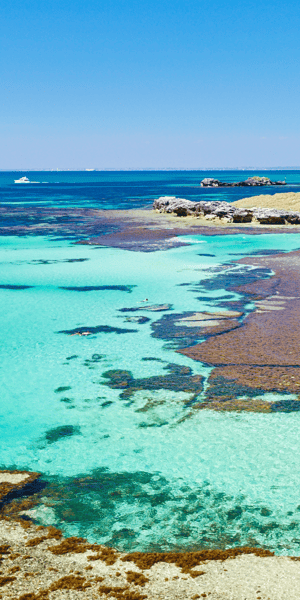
[(129, 189)]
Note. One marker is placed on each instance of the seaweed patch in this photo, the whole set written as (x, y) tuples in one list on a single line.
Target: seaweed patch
[(150, 307), (152, 358), (188, 560), (186, 329), (55, 261), (178, 378), (94, 360), (94, 330), (8, 286), (58, 433), (97, 288), (202, 518), (139, 320), (62, 388), (230, 277)]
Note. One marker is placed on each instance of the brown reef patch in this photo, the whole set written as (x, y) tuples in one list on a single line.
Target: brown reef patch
[(186, 328), (236, 405), (142, 230), (263, 354)]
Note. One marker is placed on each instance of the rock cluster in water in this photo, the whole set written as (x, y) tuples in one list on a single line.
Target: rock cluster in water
[(225, 211), (251, 181)]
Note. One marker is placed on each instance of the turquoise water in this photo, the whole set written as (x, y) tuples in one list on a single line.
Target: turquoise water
[(144, 471)]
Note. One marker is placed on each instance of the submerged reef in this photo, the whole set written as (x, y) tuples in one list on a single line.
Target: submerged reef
[(146, 512), (187, 328), (8, 286), (178, 379), (150, 307), (262, 355), (139, 320), (37, 560), (58, 433), (96, 288), (92, 330)]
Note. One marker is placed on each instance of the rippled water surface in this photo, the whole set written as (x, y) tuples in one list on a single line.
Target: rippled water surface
[(133, 189), (108, 417)]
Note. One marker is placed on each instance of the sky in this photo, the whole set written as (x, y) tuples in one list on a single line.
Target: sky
[(157, 84)]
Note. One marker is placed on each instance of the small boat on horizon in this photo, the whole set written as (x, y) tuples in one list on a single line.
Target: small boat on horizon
[(22, 180), (25, 180)]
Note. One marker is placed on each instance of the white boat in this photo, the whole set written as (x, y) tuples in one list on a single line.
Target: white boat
[(25, 180), (22, 180)]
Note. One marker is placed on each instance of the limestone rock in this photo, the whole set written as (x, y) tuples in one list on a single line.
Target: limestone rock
[(216, 209), (251, 181)]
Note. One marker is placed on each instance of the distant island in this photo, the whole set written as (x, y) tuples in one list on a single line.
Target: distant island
[(251, 181)]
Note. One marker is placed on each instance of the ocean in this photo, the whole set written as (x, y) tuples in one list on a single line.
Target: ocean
[(129, 189), (110, 418)]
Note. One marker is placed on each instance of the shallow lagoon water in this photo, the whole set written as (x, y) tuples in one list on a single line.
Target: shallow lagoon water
[(146, 472)]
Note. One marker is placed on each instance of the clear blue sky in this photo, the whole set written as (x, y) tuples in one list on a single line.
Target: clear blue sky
[(149, 83)]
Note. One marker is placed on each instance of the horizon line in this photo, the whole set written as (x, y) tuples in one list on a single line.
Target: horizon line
[(287, 168)]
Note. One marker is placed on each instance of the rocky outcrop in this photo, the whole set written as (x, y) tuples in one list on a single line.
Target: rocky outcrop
[(251, 181), (225, 211)]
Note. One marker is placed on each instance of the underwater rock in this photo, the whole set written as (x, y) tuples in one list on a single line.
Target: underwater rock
[(184, 329), (7, 286), (263, 354), (93, 330), (42, 261), (177, 517), (152, 308), (58, 433), (138, 320), (97, 288), (179, 379)]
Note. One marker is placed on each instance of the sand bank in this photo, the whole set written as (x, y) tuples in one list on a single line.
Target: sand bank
[(281, 201)]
